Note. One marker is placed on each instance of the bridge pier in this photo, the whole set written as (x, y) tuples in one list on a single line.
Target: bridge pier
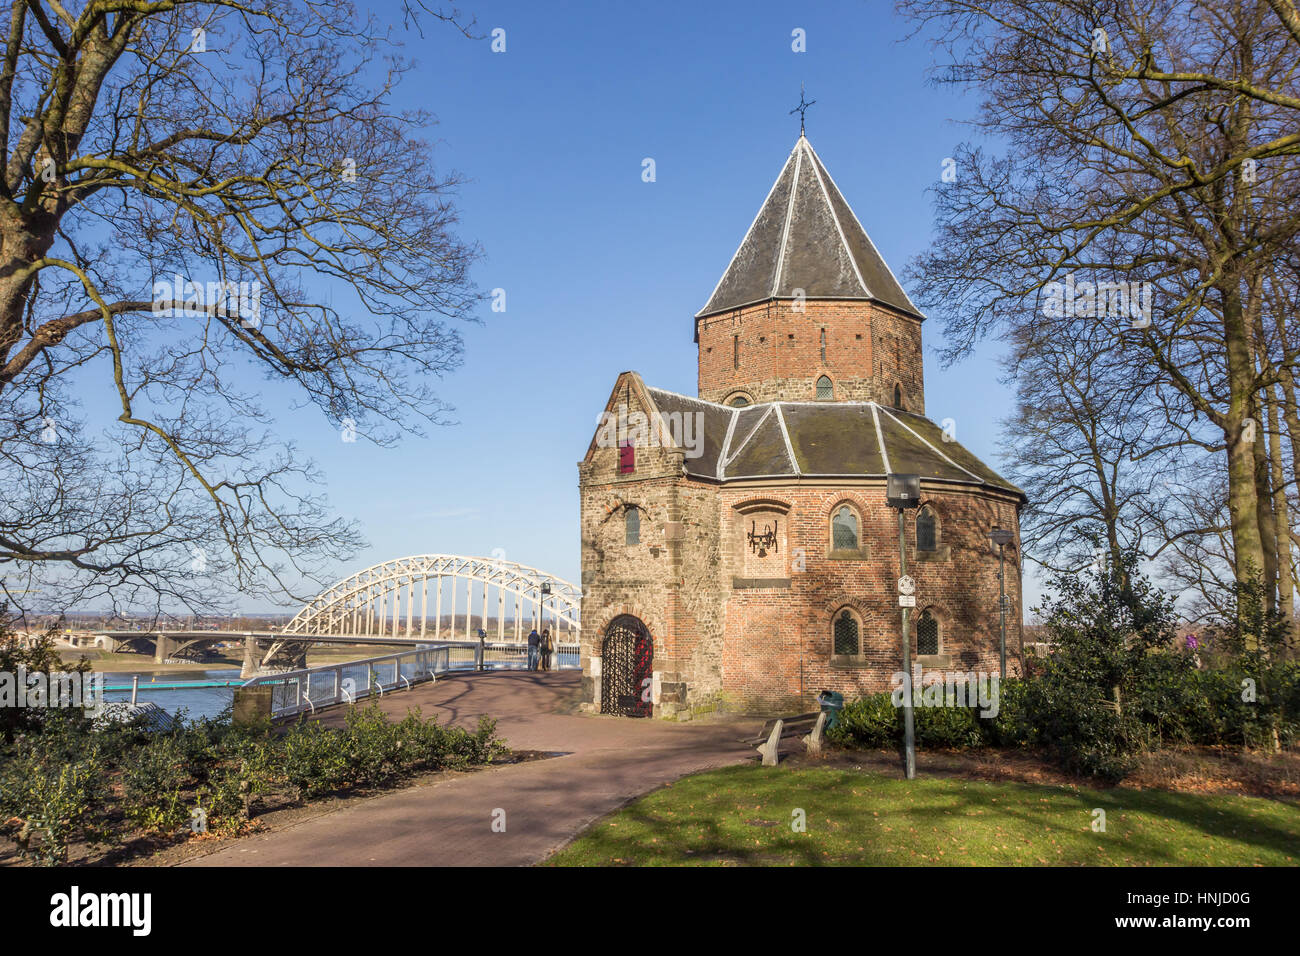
[(163, 647), (251, 665)]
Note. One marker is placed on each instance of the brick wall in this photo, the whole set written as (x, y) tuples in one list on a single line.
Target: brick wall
[(778, 638), (753, 633), (868, 347)]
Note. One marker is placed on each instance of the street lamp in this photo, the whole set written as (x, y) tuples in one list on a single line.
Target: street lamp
[(903, 492), (1002, 537)]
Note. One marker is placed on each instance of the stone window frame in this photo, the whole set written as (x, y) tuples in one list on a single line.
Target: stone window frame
[(941, 552), (738, 393), (944, 656), (859, 553), (848, 660), (817, 387)]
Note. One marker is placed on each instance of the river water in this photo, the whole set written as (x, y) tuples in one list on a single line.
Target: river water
[(195, 701)]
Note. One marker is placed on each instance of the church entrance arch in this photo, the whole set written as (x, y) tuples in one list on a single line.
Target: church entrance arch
[(626, 668)]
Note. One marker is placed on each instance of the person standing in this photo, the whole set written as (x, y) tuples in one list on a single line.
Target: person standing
[(548, 647), (534, 648)]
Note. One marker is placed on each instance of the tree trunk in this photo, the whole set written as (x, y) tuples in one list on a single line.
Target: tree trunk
[(1243, 495), (1267, 519), (1282, 516)]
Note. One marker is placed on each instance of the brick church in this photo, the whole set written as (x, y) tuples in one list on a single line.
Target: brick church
[(737, 550)]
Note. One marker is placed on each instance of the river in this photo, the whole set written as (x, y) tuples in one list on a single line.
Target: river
[(195, 701)]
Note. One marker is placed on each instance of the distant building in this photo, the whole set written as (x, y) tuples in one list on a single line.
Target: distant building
[(737, 551)]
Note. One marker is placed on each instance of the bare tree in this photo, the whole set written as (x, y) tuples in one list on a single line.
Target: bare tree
[(191, 189), (1083, 445), (1151, 144)]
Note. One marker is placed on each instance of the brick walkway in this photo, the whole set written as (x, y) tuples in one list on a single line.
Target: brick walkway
[(608, 761)]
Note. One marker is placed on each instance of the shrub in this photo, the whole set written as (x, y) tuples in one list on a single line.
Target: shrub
[(955, 728), (374, 746), (315, 759), (40, 657), (1012, 725), (873, 721), (154, 776), (52, 801), (477, 746), (868, 721)]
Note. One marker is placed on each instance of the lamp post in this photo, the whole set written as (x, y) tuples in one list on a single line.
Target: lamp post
[(1002, 537), (541, 608), (903, 492)]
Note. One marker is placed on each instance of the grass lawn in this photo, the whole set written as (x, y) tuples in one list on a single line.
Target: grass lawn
[(744, 816)]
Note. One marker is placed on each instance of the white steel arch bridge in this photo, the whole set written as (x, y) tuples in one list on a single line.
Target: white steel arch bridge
[(392, 600)]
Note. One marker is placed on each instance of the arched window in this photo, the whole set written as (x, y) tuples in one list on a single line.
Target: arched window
[(738, 401), (927, 633), (844, 530), (927, 536), (824, 389), (632, 525), (845, 640), (898, 396)]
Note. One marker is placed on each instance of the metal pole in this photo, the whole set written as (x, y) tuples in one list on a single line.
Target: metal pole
[(909, 730), (437, 612), (469, 605), (1002, 609), (410, 605)]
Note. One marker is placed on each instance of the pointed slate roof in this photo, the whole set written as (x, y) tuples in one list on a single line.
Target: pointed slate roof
[(824, 440), (806, 237)]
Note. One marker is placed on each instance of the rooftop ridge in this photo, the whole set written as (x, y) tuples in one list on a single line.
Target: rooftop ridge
[(755, 271)]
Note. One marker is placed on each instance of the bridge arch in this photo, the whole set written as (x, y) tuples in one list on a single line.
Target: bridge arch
[(382, 600)]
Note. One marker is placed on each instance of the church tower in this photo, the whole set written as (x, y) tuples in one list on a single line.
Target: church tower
[(738, 548), (807, 310)]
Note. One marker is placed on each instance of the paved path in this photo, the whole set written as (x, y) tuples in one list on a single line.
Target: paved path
[(607, 762)]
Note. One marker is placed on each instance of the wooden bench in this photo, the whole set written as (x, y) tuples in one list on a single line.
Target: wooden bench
[(769, 741), (800, 723)]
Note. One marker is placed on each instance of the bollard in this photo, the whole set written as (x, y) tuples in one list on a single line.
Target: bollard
[(135, 688)]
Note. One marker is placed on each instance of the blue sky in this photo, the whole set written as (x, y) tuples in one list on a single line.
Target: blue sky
[(602, 271)]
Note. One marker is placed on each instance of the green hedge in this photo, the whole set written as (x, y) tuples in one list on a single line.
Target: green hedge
[(1169, 702), (66, 781)]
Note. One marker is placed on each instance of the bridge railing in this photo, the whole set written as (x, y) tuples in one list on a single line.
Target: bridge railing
[(310, 688), (506, 655)]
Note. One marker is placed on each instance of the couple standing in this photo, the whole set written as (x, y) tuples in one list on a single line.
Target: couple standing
[(540, 649)]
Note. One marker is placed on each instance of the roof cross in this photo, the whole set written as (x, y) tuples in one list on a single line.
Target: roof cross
[(801, 108)]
